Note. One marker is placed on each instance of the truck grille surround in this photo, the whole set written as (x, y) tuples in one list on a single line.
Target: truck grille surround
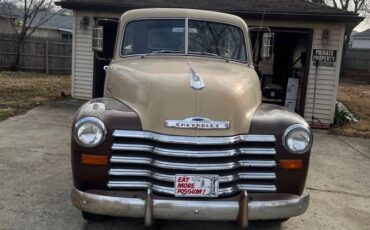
[(142, 160)]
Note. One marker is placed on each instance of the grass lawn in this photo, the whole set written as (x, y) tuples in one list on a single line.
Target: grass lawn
[(354, 93), (20, 91)]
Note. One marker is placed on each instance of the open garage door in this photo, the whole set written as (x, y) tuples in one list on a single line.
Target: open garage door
[(284, 76), (104, 57)]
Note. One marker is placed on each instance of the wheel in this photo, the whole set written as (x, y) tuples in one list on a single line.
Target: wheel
[(274, 221), (153, 227), (91, 217), (280, 220)]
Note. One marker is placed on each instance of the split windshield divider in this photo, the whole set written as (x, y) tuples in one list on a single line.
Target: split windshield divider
[(186, 36)]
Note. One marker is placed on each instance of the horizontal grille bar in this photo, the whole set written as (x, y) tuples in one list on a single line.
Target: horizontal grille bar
[(193, 140), (171, 178), (193, 166), (193, 153), (171, 190), (142, 160)]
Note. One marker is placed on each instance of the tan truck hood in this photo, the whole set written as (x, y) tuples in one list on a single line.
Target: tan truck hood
[(158, 89)]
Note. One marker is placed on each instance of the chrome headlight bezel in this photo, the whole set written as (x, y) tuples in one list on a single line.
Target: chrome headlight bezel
[(291, 129), (94, 121)]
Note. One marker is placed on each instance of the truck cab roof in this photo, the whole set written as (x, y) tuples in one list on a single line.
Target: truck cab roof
[(182, 13)]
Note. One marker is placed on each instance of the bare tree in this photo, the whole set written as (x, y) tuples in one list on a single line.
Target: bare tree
[(357, 6), (33, 14)]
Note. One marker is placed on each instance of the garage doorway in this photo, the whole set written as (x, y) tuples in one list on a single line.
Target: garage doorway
[(103, 58), (284, 76)]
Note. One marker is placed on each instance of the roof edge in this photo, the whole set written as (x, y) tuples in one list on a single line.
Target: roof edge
[(301, 16)]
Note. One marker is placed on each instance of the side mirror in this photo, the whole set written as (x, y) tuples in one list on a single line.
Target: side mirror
[(97, 38), (267, 45)]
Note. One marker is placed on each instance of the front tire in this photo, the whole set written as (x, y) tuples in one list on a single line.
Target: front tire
[(92, 217), (280, 220)]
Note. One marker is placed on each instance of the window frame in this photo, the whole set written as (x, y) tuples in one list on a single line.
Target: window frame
[(186, 53)]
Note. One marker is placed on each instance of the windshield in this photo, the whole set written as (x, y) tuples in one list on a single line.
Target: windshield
[(168, 36), (153, 36), (211, 38)]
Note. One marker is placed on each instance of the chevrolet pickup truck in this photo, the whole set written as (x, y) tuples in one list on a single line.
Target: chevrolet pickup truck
[(181, 132)]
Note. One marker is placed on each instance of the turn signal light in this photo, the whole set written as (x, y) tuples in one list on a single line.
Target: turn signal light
[(90, 159), (291, 164)]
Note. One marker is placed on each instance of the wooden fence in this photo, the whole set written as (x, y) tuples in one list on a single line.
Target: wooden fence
[(38, 54), (357, 59)]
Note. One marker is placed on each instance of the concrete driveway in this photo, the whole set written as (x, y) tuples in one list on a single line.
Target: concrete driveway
[(35, 180)]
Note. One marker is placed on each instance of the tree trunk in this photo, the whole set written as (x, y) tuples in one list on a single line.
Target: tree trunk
[(347, 36), (16, 66)]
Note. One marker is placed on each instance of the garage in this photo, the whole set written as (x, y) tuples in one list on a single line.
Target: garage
[(302, 75)]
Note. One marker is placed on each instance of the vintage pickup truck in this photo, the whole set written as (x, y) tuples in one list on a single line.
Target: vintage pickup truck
[(181, 132)]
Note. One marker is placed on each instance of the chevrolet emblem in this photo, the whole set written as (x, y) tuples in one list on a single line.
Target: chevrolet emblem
[(197, 123)]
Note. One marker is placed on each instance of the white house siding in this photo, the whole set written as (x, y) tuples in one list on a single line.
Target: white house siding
[(361, 43), (47, 33), (5, 26), (327, 77), (83, 57)]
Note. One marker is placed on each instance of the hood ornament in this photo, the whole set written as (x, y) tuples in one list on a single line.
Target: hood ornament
[(196, 81), (197, 123)]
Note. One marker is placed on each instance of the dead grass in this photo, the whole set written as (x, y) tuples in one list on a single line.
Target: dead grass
[(20, 91), (356, 96)]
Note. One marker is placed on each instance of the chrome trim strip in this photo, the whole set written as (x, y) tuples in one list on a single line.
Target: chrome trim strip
[(193, 140), (193, 166), (171, 178), (182, 209), (193, 153), (171, 190)]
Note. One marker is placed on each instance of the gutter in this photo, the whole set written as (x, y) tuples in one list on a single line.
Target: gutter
[(301, 16)]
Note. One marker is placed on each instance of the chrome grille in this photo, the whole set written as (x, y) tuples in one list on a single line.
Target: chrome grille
[(144, 159)]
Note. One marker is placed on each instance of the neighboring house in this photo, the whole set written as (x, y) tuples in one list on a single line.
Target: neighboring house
[(301, 28), (360, 40), (58, 26), (8, 16)]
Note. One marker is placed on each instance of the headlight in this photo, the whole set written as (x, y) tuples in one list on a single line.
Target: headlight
[(90, 131), (297, 139)]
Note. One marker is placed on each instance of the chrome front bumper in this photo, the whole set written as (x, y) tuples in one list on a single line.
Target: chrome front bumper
[(149, 208)]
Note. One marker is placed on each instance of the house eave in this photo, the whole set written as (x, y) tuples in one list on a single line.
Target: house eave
[(346, 17)]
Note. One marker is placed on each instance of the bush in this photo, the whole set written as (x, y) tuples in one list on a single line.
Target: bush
[(343, 115)]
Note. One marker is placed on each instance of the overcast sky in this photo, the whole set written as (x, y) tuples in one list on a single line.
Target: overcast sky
[(365, 24)]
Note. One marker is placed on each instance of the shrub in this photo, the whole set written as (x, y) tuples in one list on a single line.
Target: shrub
[(343, 115)]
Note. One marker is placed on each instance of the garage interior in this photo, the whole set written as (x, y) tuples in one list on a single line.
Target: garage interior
[(102, 59), (283, 77)]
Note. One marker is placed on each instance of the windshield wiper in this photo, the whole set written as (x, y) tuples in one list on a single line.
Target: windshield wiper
[(166, 51), (208, 54)]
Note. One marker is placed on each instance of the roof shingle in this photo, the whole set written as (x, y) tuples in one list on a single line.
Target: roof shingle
[(363, 34), (286, 9)]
